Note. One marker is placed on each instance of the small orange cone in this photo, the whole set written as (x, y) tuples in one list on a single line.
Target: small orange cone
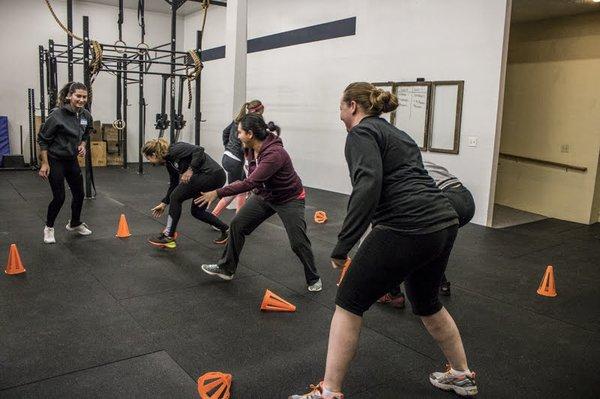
[(344, 270), (547, 287), (123, 229), (14, 265), (218, 387), (320, 217), (274, 303)]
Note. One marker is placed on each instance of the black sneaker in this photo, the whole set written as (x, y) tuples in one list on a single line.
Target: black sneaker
[(163, 241), (445, 288), (222, 239), (215, 270)]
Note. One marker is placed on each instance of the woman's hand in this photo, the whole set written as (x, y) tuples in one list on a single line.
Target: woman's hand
[(44, 171), (206, 198), (81, 149), (337, 263), (186, 176), (158, 210)]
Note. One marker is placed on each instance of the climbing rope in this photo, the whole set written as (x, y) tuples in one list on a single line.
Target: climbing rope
[(96, 61), (193, 73)]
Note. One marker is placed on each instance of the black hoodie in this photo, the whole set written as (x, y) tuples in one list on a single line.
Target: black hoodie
[(64, 130), (182, 156)]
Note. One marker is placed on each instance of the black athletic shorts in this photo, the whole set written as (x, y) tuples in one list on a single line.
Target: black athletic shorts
[(387, 258)]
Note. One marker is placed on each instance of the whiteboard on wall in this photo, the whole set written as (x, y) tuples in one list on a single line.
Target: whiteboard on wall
[(387, 86), (445, 117), (412, 114)]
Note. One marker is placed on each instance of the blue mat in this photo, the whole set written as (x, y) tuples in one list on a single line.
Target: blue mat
[(4, 142)]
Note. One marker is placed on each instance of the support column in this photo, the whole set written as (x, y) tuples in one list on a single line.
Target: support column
[(235, 54), (70, 40)]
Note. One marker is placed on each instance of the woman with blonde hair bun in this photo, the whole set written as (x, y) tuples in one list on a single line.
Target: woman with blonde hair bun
[(191, 171), (233, 157)]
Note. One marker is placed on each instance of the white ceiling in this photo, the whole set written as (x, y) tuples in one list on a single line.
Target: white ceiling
[(532, 10)]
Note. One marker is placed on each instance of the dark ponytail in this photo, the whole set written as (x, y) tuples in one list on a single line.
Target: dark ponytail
[(273, 128), (256, 124)]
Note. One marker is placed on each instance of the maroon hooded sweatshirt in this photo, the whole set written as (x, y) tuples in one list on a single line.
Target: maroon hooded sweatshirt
[(271, 175)]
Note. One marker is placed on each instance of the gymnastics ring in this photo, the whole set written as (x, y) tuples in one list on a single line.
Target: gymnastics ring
[(119, 124), (119, 43), (143, 48)]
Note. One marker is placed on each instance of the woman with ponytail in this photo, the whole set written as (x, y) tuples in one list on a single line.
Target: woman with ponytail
[(233, 157), (62, 138), (277, 189), (414, 227), (191, 171)]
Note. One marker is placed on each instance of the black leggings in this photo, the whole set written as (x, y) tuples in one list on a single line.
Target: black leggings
[(185, 191), (234, 169), (388, 257), (61, 169)]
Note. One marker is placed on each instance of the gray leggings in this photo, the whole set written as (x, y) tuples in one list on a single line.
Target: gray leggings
[(252, 214)]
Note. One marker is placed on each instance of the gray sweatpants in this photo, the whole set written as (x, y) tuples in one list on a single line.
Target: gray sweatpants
[(252, 214)]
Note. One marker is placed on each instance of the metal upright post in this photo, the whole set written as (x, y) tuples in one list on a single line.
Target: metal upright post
[(31, 131), (52, 76), (70, 39), (125, 104), (42, 88), (33, 125), (197, 110), (141, 113), (88, 106), (119, 104), (174, 6)]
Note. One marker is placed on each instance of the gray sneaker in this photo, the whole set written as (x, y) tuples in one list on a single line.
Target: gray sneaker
[(463, 385), (82, 229), (215, 270), (318, 286)]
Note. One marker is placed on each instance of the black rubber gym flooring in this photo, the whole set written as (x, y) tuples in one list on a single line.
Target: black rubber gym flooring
[(101, 317)]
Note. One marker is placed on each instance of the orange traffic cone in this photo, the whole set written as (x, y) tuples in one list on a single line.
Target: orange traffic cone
[(14, 265), (547, 287), (344, 270), (274, 303), (123, 229), (320, 217), (218, 387)]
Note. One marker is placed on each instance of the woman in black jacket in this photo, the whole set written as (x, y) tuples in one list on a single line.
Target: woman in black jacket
[(414, 227), (191, 171), (62, 137)]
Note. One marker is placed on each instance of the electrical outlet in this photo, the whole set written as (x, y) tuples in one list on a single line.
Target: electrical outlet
[(564, 148), (473, 141)]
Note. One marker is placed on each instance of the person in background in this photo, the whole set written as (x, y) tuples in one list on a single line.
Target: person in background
[(62, 138), (464, 205), (233, 157)]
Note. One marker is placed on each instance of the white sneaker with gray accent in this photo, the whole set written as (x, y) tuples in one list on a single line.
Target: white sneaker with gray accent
[(49, 235), (462, 384), (318, 286), (82, 229)]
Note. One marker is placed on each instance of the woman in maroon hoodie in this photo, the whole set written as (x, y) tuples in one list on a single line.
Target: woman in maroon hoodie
[(277, 189)]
